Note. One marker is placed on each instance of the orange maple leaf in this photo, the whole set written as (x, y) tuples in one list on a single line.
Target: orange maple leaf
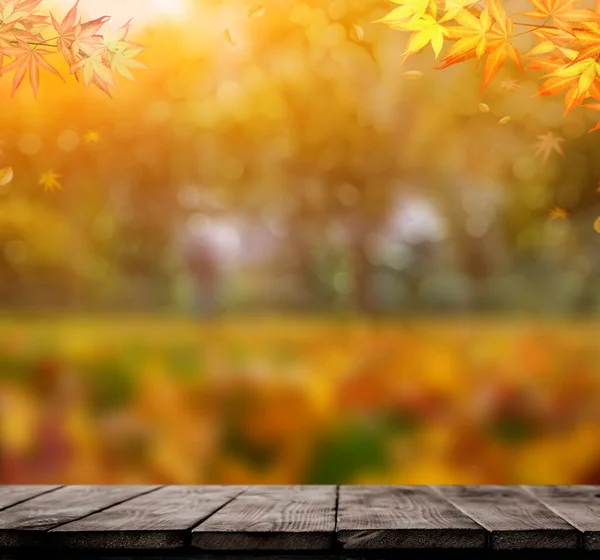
[(589, 38), (579, 80), (27, 59), (557, 213), (489, 34), (499, 45), (561, 12), (595, 107)]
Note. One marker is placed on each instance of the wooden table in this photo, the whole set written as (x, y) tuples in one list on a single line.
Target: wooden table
[(293, 521)]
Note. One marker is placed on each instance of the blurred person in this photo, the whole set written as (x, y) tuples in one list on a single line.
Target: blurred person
[(203, 269)]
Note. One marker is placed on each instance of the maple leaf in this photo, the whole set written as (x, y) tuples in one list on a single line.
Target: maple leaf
[(577, 78), (509, 85), (95, 70), (595, 107), (75, 36), (12, 12), (471, 36), (425, 30), (407, 11), (28, 59), (561, 12), (8, 36), (29, 21), (557, 213), (122, 61), (91, 136), (548, 143), (455, 7), (115, 41), (487, 34), (49, 180), (499, 46), (597, 224), (588, 37)]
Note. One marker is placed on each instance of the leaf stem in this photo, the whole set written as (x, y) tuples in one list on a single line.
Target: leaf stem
[(533, 27)]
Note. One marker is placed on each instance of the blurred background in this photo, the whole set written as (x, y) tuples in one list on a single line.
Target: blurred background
[(275, 259)]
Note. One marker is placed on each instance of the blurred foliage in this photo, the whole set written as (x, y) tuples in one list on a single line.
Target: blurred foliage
[(306, 168), (289, 165), (178, 402)]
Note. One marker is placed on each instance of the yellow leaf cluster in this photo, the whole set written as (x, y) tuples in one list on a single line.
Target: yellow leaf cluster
[(567, 35)]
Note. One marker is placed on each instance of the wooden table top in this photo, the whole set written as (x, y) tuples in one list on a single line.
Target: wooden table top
[(330, 520)]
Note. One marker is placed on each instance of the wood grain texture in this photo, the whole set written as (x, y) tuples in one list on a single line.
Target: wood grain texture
[(515, 519), (159, 520), (578, 505), (380, 517), (12, 495), (272, 518), (26, 524)]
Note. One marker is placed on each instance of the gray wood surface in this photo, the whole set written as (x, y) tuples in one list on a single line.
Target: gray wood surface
[(26, 523), (378, 517), (272, 518), (513, 517), (579, 505), (159, 520), (11, 495)]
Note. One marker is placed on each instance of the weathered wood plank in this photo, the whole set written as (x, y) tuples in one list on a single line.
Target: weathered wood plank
[(12, 495), (514, 518), (578, 505), (272, 518), (26, 524), (159, 520), (379, 517)]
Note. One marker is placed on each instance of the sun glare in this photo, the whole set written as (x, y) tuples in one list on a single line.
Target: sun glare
[(142, 11)]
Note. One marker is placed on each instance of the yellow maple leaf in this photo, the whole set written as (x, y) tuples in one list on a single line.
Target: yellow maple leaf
[(123, 61), (49, 180), (470, 36), (6, 175), (92, 136), (425, 30), (407, 10), (597, 224), (557, 213), (455, 7), (547, 144)]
